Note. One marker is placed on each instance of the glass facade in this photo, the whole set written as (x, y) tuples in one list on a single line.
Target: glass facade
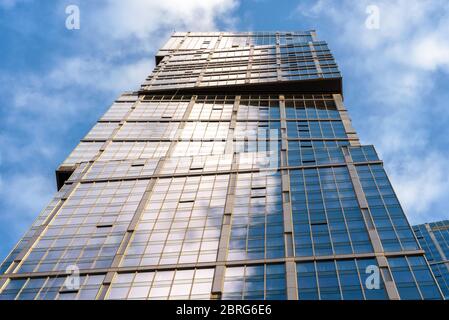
[(234, 172), (434, 240), (336, 280)]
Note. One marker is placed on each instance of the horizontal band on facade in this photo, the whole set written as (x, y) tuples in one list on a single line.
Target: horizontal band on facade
[(208, 173), (200, 265)]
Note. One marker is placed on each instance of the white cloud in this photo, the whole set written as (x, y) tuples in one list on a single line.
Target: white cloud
[(429, 52), (112, 52), (28, 192), (142, 18), (101, 75), (141, 26), (24, 196), (393, 71), (419, 182), (108, 67)]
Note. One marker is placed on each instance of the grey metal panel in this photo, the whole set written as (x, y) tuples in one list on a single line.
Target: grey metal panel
[(292, 283)]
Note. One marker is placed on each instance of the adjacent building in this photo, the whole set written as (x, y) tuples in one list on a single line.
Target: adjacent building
[(232, 173), (434, 239)]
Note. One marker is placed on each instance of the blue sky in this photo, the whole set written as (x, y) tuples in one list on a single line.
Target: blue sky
[(55, 83)]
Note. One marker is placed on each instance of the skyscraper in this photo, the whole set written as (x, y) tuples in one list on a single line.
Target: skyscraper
[(232, 173), (434, 239)]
